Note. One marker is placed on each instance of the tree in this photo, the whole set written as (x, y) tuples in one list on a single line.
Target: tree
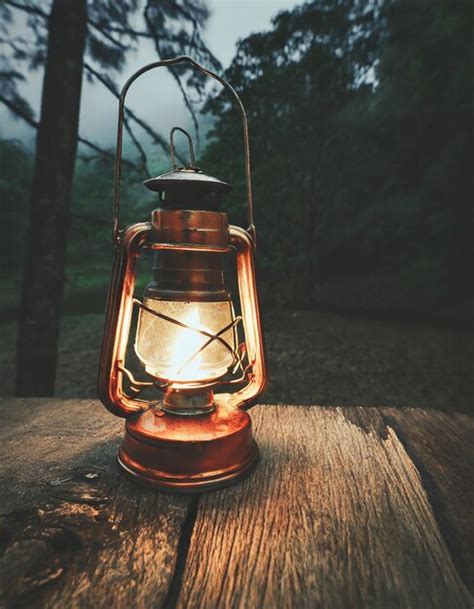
[(74, 36), (50, 199), (361, 123), (294, 80), (424, 107)]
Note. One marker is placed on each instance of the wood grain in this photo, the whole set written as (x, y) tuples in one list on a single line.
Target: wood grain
[(441, 444), (74, 533), (335, 516), (347, 509)]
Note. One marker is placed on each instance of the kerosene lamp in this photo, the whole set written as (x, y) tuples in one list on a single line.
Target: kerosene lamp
[(188, 437)]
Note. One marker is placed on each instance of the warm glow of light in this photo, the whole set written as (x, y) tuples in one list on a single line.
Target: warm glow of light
[(164, 347), (187, 343)]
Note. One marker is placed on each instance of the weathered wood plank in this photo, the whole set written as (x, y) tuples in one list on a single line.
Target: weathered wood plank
[(441, 444), (335, 516), (42, 439), (74, 534)]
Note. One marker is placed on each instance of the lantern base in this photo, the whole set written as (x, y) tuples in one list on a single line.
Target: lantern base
[(176, 454)]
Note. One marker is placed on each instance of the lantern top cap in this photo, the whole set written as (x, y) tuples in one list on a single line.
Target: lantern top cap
[(189, 179)]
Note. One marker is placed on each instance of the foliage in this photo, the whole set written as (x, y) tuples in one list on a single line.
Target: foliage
[(90, 251), (16, 163), (361, 127), (361, 133), (114, 29)]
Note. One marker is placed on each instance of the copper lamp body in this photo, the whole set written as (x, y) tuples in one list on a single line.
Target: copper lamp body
[(191, 437)]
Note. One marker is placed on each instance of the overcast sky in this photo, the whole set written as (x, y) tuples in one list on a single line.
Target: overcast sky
[(155, 96)]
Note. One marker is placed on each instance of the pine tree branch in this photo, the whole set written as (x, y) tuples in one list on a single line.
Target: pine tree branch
[(97, 148), (105, 34), (138, 146), (156, 40), (15, 109), (31, 121), (27, 8), (156, 137), (126, 31), (106, 30)]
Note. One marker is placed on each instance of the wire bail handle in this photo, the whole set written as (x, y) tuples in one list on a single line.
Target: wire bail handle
[(118, 155)]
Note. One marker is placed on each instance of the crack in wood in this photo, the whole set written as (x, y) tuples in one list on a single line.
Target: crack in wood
[(171, 599), (451, 534)]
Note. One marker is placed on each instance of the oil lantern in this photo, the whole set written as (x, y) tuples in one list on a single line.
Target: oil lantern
[(201, 355)]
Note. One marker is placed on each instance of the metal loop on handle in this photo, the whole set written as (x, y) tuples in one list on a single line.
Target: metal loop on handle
[(190, 144), (118, 156)]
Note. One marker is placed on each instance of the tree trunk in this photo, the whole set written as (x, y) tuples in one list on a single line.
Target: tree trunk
[(51, 200)]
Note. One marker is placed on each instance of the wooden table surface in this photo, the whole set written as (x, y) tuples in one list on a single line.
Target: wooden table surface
[(348, 508)]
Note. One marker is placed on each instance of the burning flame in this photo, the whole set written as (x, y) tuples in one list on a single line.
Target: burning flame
[(186, 345)]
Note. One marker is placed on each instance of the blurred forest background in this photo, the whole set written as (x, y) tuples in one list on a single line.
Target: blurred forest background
[(362, 145)]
